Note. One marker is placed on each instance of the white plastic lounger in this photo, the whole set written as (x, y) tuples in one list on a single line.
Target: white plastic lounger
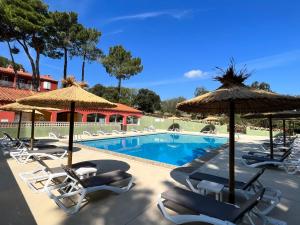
[(24, 156), (291, 166), (136, 131), (56, 136), (208, 210), (264, 160), (89, 133), (77, 187), (44, 177), (103, 132), (118, 132)]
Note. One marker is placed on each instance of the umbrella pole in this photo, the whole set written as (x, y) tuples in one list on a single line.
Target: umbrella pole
[(32, 129), (271, 136), (231, 153), (19, 126), (71, 133), (284, 134)]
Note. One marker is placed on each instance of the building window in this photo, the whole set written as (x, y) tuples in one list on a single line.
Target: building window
[(116, 119), (96, 117), (132, 120), (47, 85), (5, 78)]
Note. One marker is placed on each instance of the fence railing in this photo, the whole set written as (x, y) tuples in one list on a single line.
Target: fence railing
[(55, 124)]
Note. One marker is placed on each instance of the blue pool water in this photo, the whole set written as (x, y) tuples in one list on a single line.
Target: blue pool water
[(174, 149)]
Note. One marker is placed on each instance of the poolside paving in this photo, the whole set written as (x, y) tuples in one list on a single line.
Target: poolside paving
[(138, 206)]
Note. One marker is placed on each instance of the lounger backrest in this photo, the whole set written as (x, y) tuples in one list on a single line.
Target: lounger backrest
[(286, 154), (7, 135), (253, 179), (249, 205), (72, 174), (42, 163)]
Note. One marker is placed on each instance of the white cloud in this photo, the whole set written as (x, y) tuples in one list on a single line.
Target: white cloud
[(195, 74), (177, 14)]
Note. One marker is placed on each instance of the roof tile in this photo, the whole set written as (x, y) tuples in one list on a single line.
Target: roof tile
[(11, 94)]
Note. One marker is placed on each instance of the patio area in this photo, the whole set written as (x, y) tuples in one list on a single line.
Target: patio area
[(139, 205)]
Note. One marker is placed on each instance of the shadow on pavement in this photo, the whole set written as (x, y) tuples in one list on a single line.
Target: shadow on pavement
[(13, 207)]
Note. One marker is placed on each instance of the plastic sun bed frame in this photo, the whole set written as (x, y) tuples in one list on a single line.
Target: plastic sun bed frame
[(253, 185), (103, 132), (45, 177), (89, 133), (208, 210), (24, 155), (74, 186), (253, 160)]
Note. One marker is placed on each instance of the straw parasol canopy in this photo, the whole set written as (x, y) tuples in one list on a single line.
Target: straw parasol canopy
[(233, 96), (173, 118), (245, 99), (62, 98), (289, 114), (67, 98), (17, 107), (213, 118)]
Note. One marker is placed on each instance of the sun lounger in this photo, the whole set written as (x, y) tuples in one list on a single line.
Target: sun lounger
[(89, 133), (118, 132), (56, 136), (45, 177), (103, 132), (271, 196), (264, 160), (82, 187), (252, 183), (291, 166), (208, 210), (24, 155), (136, 130)]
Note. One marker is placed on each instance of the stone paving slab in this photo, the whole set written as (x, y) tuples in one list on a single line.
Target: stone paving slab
[(138, 206)]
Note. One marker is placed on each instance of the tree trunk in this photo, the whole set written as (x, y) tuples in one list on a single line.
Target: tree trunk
[(37, 67), (14, 65), (119, 88), (26, 49), (82, 69), (65, 64)]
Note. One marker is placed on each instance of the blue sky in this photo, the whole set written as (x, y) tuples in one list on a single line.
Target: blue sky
[(181, 42)]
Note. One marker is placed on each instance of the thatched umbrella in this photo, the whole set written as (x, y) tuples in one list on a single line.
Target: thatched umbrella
[(283, 115), (235, 97), (212, 118), (17, 107), (67, 98)]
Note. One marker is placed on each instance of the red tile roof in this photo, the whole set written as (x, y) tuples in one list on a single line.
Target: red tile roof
[(125, 108), (8, 95), (25, 74)]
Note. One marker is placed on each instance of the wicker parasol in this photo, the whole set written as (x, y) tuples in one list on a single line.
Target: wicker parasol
[(17, 107), (67, 98), (235, 97)]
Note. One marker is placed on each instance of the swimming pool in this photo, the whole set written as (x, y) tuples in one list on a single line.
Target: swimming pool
[(174, 149)]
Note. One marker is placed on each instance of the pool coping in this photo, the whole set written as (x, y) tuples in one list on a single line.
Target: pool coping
[(203, 159)]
